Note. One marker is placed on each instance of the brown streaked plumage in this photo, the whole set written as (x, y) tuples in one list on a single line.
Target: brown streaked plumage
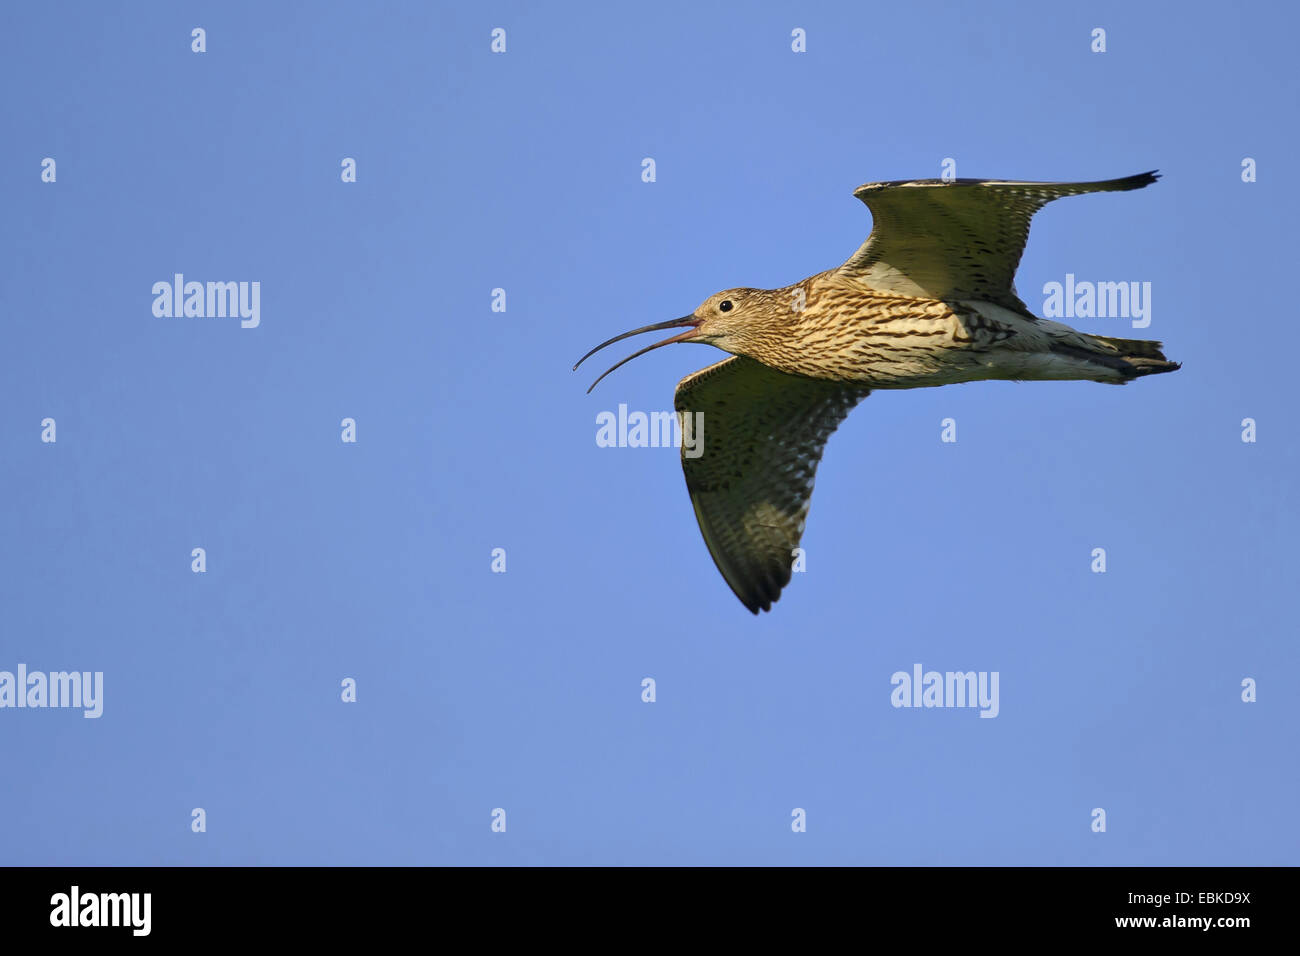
[(927, 300)]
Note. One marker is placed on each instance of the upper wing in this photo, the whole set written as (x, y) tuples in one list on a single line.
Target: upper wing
[(957, 239), (761, 435)]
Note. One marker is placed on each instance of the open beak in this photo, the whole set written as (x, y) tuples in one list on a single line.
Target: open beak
[(691, 323)]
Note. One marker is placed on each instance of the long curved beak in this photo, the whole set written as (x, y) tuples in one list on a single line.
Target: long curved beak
[(690, 321)]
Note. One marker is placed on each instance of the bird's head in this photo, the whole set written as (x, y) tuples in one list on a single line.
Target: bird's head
[(723, 319)]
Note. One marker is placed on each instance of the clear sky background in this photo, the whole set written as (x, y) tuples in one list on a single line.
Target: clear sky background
[(372, 561)]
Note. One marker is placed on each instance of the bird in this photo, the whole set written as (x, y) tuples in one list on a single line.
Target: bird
[(928, 299)]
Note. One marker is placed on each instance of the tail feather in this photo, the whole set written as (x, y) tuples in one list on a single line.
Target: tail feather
[(1133, 348), (1132, 358)]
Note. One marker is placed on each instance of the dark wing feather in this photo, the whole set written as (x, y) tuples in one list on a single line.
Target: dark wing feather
[(762, 437), (957, 239)]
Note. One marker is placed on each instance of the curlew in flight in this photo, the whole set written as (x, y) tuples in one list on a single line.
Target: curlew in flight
[(927, 300)]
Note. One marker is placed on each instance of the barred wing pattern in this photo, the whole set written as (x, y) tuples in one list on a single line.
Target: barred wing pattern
[(957, 239), (762, 438)]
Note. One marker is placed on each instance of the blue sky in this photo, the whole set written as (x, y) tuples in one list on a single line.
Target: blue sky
[(372, 560)]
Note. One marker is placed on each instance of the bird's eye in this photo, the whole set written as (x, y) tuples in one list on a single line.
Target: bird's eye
[(724, 305)]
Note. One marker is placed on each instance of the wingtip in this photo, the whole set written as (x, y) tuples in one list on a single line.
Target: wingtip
[(758, 599), (1136, 181), (1139, 180)]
